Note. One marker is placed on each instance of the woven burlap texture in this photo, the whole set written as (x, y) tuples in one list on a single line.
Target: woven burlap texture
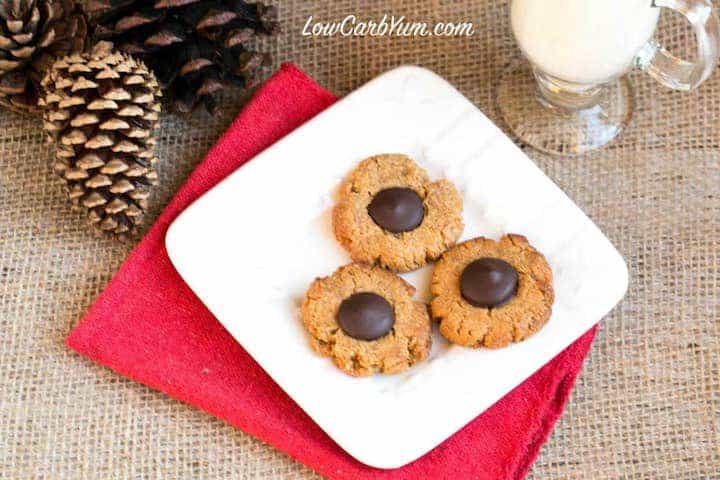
[(646, 406)]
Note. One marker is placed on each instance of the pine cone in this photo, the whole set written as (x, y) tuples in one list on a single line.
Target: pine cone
[(195, 47), (100, 111), (33, 34)]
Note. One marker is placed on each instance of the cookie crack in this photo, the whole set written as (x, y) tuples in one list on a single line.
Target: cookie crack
[(410, 357)]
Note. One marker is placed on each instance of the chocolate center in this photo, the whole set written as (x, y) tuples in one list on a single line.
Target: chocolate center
[(366, 316), (489, 282), (397, 210)]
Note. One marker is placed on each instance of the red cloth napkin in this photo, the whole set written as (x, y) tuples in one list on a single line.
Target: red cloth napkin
[(149, 326)]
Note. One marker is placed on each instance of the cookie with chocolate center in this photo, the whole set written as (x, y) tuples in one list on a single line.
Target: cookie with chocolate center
[(365, 319), (390, 214), (490, 294)]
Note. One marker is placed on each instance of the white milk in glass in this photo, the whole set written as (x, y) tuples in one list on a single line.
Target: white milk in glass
[(583, 41)]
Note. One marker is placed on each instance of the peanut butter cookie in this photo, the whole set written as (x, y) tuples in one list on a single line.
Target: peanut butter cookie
[(365, 320), (391, 214), (490, 294)]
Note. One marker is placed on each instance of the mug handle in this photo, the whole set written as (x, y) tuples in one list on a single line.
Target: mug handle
[(674, 72)]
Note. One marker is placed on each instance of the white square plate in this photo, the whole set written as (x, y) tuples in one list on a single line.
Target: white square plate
[(251, 246)]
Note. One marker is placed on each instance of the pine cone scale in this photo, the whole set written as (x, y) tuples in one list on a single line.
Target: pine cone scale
[(7, 65), (216, 18), (173, 3), (11, 84), (135, 21), (163, 38)]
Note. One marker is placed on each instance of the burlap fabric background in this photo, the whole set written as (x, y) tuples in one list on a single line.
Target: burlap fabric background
[(646, 406)]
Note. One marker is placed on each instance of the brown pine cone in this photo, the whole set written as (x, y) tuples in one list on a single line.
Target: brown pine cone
[(33, 34), (195, 47), (101, 110)]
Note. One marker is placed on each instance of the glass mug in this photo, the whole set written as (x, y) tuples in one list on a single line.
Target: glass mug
[(573, 95)]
